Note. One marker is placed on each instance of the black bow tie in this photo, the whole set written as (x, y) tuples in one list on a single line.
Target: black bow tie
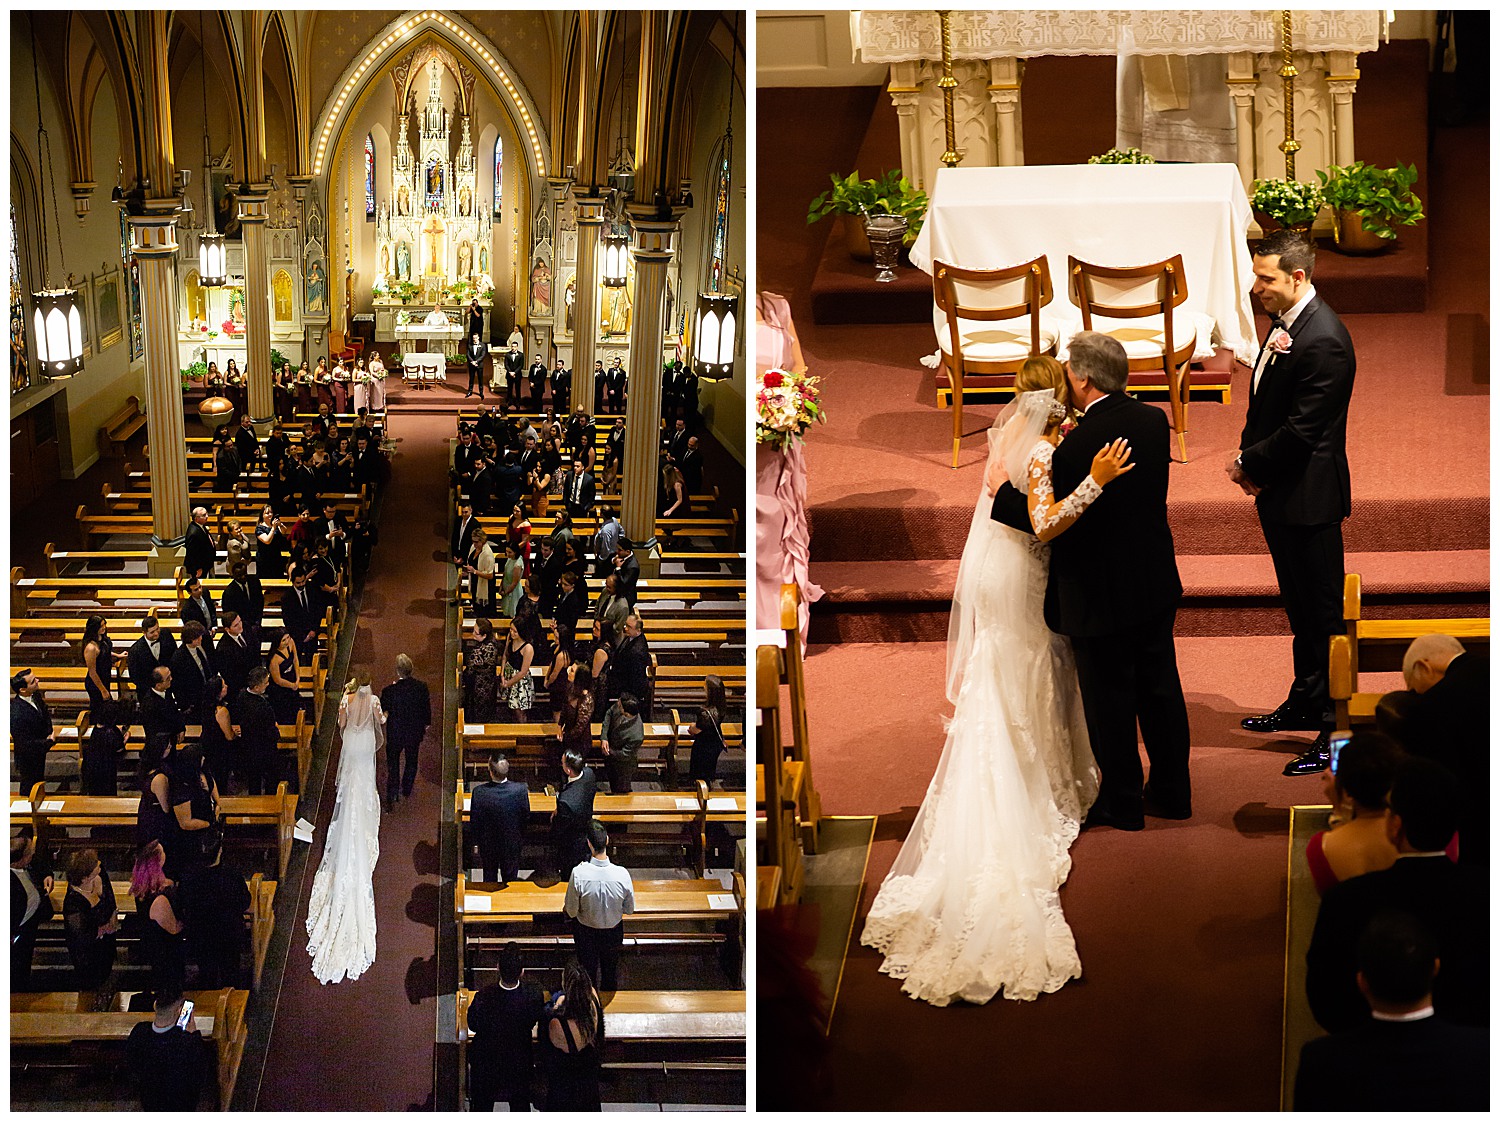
[(1277, 321)]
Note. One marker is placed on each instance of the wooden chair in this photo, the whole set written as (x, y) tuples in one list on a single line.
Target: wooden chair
[(977, 343), (1136, 306)]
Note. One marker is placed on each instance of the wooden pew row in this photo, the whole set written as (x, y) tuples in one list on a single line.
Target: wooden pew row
[(776, 794), (79, 563), (53, 818), (535, 743), (673, 529), (667, 912), (219, 1016), (691, 811), (261, 918), (112, 524)]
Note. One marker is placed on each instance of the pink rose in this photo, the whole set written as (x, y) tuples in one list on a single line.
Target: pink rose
[(1279, 342), (773, 378)]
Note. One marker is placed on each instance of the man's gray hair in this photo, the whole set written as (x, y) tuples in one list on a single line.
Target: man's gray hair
[(499, 767), (404, 665), (1101, 359), (197, 510)]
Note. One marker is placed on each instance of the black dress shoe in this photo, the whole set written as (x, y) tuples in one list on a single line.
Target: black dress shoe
[(1158, 809), (1314, 760), (1284, 719), (1097, 817)]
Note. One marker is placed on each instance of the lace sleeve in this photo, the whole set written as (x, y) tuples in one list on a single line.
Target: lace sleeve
[(1050, 518)]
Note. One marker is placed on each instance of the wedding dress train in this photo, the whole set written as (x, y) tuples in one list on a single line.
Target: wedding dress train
[(970, 908), (341, 912)]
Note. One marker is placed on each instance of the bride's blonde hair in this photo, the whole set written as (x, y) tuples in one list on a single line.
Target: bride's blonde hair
[(354, 683), (1043, 372)]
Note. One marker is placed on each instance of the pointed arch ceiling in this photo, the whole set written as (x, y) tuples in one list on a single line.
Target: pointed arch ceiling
[(397, 37)]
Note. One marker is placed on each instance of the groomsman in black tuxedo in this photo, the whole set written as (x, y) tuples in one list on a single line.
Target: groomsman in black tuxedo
[(562, 385), (30, 730), (515, 362), (476, 354), (536, 374), (154, 648), (1292, 461), (1113, 589), (302, 612)]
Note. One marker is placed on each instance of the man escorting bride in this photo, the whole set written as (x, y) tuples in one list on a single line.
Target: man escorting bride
[(970, 908), (341, 911)]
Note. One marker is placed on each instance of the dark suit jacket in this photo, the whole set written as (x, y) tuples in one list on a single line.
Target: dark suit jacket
[(140, 663), (159, 717), (691, 465), (628, 671), (257, 721), (515, 362), (575, 807), (580, 494), (247, 447), (497, 812), (233, 662), (208, 618), (1426, 1065), (501, 1021), (627, 573), (536, 372), (458, 545), (408, 710), (1450, 723), (188, 681), (245, 599), (676, 444), (298, 620), (29, 728), (198, 551), (1452, 900), (1293, 441), (1127, 524)]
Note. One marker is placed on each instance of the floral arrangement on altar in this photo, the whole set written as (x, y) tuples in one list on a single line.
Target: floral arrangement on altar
[(786, 405), (230, 327), (1287, 202), (1122, 156), (403, 318)]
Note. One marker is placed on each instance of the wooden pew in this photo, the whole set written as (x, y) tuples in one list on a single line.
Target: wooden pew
[(531, 745), (683, 685), (121, 425), (809, 806), (219, 1015), (54, 817), (776, 794)]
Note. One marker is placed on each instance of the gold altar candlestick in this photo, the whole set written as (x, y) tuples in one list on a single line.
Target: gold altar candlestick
[(1288, 72), (947, 83)]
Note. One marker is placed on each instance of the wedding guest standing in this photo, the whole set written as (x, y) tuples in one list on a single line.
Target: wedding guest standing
[(1292, 461), (497, 813), (408, 709), (30, 730), (599, 897), (30, 906), (89, 923), (501, 1019)]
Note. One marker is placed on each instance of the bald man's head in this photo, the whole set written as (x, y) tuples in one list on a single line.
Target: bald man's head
[(1427, 660)]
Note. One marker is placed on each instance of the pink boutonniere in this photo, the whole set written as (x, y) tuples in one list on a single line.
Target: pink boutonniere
[(1279, 341)]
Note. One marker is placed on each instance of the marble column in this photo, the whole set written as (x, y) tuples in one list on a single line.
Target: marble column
[(586, 301), (1005, 95), (1342, 82), (253, 213), (651, 248), (154, 243), (1242, 82), (544, 331), (907, 97)]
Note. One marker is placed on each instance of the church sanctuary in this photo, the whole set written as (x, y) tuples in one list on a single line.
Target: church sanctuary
[(1122, 664), (378, 559)]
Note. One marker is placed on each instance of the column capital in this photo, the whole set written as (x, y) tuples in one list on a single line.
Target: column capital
[(254, 206), (1004, 95), (83, 197), (590, 210), (651, 238), (154, 235)]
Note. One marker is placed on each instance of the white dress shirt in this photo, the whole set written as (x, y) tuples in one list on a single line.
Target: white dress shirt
[(1287, 318), (600, 894)]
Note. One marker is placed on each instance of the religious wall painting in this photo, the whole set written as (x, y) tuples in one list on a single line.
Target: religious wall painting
[(84, 295), (614, 318), (195, 297), (108, 313), (434, 182), (20, 361), (226, 208), (237, 308), (317, 290), (570, 299), (541, 288), (132, 306), (281, 291)]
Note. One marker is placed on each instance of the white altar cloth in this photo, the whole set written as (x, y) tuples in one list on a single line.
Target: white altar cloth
[(1107, 214)]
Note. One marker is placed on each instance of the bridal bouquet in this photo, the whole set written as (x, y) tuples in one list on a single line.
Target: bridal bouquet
[(786, 404)]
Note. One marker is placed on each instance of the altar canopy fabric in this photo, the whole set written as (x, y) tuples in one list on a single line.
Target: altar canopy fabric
[(1107, 214), (906, 36)]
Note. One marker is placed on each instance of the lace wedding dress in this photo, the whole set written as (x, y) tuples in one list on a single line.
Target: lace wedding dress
[(341, 913), (971, 908)]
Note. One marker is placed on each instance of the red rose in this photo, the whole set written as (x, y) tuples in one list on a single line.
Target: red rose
[(773, 378)]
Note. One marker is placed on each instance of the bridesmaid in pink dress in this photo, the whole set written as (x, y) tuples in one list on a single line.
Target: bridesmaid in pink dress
[(781, 529)]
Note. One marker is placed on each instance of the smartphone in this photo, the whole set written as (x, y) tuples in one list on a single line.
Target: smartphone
[(1335, 746), (185, 1018)]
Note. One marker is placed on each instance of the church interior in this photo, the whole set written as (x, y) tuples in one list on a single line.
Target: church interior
[(261, 264), (1191, 933)]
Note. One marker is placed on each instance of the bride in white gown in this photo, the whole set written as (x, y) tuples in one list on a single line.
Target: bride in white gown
[(971, 908), (341, 913)]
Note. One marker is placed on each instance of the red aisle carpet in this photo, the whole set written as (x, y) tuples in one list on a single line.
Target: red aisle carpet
[(368, 1044)]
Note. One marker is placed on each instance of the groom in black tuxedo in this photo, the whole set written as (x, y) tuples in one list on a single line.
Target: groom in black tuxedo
[(1113, 589), (1292, 461)]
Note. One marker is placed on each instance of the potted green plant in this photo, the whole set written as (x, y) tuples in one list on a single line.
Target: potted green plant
[(193, 372), (892, 193), (1286, 204), (1122, 156), (405, 291), (1368, 203)]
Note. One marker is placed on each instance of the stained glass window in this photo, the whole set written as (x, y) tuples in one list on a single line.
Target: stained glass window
[(20, 369), (718, 244), (499, 175), (369, 178)]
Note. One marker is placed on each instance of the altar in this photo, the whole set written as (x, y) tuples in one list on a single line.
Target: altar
[(436, 334)]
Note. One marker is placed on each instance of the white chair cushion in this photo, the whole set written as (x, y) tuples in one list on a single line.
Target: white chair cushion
[(1143, 338), (1001, 340)]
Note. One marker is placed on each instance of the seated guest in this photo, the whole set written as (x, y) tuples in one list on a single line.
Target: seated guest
[(1357, 843), (170, 1064), (89, 922), (1447, 718), (1451, 900), (501, 1019), (497, 813), (1406, 1058)]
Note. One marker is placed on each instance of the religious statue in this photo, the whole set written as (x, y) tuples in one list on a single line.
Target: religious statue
[(317, 290), (434, 178), (570, 297), (403, 261), (616, 320), (433, 229), (465, 259), (484, 260), (237, 307), (403, 200), (465, 204), (541, 288)]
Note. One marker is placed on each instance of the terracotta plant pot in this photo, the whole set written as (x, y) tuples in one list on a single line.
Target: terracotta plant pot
[(1350, 235)]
